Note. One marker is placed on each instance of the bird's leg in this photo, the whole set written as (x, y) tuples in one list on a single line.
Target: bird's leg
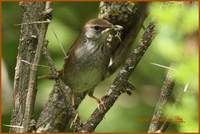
[(99, 101), (77, 117), (73, 101)]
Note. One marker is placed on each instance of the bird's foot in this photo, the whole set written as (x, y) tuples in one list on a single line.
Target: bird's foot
[(100, 103), (76, 118)]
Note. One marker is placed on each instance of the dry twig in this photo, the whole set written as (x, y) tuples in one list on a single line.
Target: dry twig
[(159, 122)]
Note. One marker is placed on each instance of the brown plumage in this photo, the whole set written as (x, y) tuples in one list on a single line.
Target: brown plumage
[(88, 58)]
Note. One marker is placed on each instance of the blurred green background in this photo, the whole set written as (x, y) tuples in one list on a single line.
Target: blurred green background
[(176, 42)]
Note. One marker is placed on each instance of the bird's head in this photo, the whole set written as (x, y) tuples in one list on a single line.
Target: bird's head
[(96, 29)]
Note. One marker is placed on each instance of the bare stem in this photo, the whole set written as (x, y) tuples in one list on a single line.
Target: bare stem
[(30, 44), (159, 122), (32, 90)]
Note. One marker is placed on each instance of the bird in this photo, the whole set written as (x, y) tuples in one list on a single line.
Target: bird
[(88, 59)]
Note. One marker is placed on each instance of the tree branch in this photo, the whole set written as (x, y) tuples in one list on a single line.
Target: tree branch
[(120, 84), (58, 113), (31, 42), (124, 14), (32, 90), (159, 123)]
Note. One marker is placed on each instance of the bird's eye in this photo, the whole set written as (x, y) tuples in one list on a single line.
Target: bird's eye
[(97, 28)]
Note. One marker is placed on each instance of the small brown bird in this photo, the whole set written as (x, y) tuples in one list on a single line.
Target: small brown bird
[(89, 57)]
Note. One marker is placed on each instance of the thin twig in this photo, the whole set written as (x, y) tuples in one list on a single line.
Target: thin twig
[(35, 22), (60, 44), (157, 123), (13, 126), (34, 64), (163, 66), (186, 87), (120, 84)]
